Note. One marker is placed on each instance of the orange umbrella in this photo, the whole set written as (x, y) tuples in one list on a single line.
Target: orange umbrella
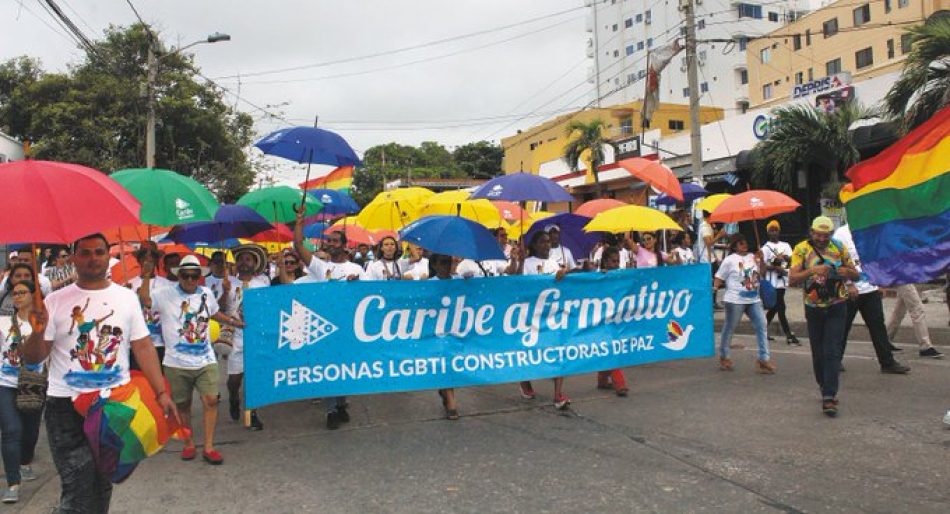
[(125, 270), (175, 248), (595, 207), (280, 234), (655, 174), (133, 233), (754, 204), (509, 211), (354, 234), (123, 249)]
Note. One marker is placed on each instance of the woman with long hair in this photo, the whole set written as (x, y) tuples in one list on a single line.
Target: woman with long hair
[(18, 273), (440, 268), (19, 430), (683, 249), (646, 254), (386, 265)]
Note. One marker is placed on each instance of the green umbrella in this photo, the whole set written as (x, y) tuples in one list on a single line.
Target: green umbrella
[(168, 198), (277, 203)]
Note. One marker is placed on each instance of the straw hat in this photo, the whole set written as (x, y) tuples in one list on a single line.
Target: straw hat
[(256, 252)]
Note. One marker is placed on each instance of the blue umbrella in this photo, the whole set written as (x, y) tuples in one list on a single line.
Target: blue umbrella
[(691, 192), (571, 227), (230, 222), (309, 145), (522, 187), (227, 243), (315, 230), (335, 203), (453, 235)]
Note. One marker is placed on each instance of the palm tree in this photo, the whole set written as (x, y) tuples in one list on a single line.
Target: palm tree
[(583, 137), (924, 85), (806, 138)]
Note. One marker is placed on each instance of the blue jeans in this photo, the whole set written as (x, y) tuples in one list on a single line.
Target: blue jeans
[(825, 335), (84, 490), (19, 434), (734, 313)]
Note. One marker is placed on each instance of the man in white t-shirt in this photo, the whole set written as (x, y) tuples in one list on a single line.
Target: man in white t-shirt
[(777, 256), (189, 361), (251, 262), (561, 254), (87, 330)]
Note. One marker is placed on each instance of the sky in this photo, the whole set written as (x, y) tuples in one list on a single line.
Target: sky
[(527, 58)]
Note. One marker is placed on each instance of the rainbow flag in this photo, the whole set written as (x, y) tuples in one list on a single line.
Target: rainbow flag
[(898, 207), (125, 427), (339, 179)]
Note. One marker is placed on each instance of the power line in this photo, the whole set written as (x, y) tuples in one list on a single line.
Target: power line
[(44, 22), (83, 20), (400, 50)]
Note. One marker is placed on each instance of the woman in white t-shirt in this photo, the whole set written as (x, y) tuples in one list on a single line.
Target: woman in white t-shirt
[(539, 262), (20, 429), (777, 256), (386, 267), (683, 251), (739, 273), (414, 266)]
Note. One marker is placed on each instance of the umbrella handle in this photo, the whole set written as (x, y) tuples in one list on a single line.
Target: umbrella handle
[(37, 294)]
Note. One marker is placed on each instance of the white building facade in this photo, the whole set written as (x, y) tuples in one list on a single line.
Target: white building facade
[(10, 149), (622, 31)]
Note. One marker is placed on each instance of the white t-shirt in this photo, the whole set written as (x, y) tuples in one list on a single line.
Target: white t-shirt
[(235, 304), (685, 255), (843, 235), (537, 266), (215, 285), (769, 252), (153, 319), (383, 270), (91, 331), (624, 257), (741, 275), (321, 270), (418, 270), (563, 256), (185, 320), (705, 230), (492, 268), (11, 337)]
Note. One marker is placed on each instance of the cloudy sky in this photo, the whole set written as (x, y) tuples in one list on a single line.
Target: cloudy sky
[(503, 59)]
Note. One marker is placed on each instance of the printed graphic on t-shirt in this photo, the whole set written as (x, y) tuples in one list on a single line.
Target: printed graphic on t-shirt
[(193, 334), (750, 280), (96, 349)]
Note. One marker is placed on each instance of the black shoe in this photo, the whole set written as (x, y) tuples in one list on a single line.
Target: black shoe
[(932, 353), (792, 340), (895, 368), (333, 420), (344, 416), (771, 338), (256, 424), (235, 409), (895, 349)]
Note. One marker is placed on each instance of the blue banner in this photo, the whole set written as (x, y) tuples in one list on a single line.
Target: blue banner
[(344, 338)]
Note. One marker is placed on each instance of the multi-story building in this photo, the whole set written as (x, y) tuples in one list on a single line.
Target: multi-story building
[(623, 31), (10, 149), (845, 42)]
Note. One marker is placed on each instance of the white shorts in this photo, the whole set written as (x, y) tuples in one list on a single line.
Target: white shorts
[(236, 358)]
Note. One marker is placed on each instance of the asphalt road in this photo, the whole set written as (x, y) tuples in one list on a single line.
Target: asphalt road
[(689, 438)]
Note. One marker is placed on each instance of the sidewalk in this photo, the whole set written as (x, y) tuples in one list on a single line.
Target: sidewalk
[(935, 309)]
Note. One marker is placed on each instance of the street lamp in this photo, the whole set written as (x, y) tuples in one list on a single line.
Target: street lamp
[(153, 78)]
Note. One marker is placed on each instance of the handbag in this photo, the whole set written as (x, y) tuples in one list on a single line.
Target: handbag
[(767, 294), (31, 390)]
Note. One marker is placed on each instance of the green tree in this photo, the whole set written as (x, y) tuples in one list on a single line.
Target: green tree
[(94, 114), (805, 138), (924, 85), (479, 160), (584, 137)]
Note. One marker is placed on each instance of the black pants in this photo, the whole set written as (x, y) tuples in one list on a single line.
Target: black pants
[(872, 311), (84, 490), (134, 364), (825, 326), (779, 308)]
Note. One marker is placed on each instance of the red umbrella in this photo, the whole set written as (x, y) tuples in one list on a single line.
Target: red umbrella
[(509, 211), (754, 204), (380, 234), (595, 207), (655, 174), (58, 202), (279, 234)]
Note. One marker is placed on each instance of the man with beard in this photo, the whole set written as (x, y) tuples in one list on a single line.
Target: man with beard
[(251, 261)]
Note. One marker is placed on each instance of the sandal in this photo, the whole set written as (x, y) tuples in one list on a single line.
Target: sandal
[(189, 453), (451, 414), (213, 457)]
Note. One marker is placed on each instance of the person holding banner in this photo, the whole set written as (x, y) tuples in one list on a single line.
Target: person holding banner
[(739, 273), (386, 266), (646, 254), (414, 266), (560, 253), (539, 262), (683, 251), (440, 268), (612, 379)]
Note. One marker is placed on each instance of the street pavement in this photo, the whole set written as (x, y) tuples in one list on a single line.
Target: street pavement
[(689, 438)]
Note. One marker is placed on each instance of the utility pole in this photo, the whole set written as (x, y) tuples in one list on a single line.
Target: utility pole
[(692, 76), (316, 120), (593, 6), (150, 123)]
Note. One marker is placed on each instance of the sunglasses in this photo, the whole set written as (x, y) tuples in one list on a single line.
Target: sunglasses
[(290, 263), (19, 293), (189, 276)]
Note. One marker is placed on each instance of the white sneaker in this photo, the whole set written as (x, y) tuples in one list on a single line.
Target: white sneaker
[(11, 494), (27, 473), (946, 418)]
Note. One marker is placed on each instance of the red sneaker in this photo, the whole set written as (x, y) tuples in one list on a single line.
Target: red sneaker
[(212, 457), (188, 453), (562, 402)]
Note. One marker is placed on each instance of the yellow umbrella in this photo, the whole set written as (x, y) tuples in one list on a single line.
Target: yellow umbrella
[(207, 251), (710, 203), (455, 203), (349, 220), (393, 210), (631, 217), (519, 228)]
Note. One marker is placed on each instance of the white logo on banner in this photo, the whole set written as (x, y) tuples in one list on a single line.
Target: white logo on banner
[(302, 327)]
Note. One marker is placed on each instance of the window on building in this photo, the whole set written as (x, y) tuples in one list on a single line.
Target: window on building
[(743, 76), (702, 56), (750, 11), (906, 43), (641, 74), (765, 55), (773, 16), (701, 24), (683, 31), (626, 126), (639, 18), (808, 37), (797, 42), (890, 48), (704, 87), (677, 125), (685, 92), (799, 78), (616, 53), (902, 3), (639, 45), (830, 27), (864, 58), (862, 15), (743, 42), (832, 67), (887, 6), (628, 23), (811, 74), (649, 42), (631, 78), (629, 49), (742, 106), (767, 91), (614, 28)]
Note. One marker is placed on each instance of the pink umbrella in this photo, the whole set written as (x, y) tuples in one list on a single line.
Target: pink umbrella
[(595, 207), (655, 174), (509, 211)]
